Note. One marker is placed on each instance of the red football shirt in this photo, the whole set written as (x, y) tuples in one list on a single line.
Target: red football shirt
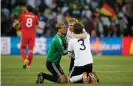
[(29, 21)]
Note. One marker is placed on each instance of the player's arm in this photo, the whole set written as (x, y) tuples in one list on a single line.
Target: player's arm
[(37, 24), (18, 21), (83, 35), (40, 27), (15, 23)]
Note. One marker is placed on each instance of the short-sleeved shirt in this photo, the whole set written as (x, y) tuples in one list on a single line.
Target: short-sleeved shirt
[(56, 49), (82, 51), (28, 24)]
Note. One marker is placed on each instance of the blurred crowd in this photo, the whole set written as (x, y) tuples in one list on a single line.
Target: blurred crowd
[(86, 11)]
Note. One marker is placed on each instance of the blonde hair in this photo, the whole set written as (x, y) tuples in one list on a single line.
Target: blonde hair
[(73, 20), (58, 25)]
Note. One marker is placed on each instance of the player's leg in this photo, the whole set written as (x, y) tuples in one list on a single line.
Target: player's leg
[(78, 76), (23, 52), (54, 77), (57, 74), (71, 64), (61, 74), (56, 70), (30, 58), (30, 48), (82, 78), (75, 76), (24, 56), (41, 76), (81, 74), (91, 77)]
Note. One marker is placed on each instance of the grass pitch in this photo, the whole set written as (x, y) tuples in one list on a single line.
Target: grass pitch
[(112, 71)]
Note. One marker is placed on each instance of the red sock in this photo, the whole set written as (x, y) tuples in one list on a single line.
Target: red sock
[(30, 57), (23, 53)]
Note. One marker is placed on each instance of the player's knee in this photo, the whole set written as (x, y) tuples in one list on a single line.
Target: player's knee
[(63, 79)]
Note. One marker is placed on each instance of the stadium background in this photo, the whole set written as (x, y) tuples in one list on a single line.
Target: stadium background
[(109, 22)]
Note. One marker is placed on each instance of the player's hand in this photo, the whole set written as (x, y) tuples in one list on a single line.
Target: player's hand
[(68, 79), (15, 23), (63, 79), (40, 27), (70, 54)]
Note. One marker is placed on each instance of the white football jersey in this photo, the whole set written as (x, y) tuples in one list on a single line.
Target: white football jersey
[(69, 36), (82, 50)]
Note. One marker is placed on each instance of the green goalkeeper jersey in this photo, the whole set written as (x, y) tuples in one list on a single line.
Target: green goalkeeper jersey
[(57, 47)]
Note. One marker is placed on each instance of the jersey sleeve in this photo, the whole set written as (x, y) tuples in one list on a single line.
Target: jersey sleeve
[(20, 18), (70, 47)]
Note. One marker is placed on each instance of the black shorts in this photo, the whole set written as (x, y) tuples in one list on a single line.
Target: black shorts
[(55, 69), (77, 70)]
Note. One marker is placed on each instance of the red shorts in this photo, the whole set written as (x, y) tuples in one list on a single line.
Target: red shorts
[(30, 41)]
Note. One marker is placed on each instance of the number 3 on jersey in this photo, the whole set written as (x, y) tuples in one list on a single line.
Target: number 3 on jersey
[(82, 44), (29, 22)]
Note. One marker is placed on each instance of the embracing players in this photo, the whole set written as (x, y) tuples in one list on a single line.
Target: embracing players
[(83, 63), (70, 35), (29, 22)]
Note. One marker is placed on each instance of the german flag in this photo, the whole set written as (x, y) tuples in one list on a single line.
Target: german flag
[(107, 10)]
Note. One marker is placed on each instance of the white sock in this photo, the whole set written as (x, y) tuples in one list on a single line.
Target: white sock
[(76, 78)]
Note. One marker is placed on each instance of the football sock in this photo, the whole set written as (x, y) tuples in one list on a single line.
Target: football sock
[(30, 58), (51, 77), (76, 78), (23, 53)]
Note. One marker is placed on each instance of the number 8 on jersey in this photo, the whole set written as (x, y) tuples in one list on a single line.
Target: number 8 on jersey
[(29, 22)]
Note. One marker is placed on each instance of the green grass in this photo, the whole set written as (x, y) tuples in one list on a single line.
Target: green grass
[(112, 71)]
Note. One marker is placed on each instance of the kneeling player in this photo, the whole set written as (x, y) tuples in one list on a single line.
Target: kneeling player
[(71, 35), (54, 56), (83, 64)]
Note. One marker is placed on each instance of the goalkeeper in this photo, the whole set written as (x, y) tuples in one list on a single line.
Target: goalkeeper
[(55, 53)]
